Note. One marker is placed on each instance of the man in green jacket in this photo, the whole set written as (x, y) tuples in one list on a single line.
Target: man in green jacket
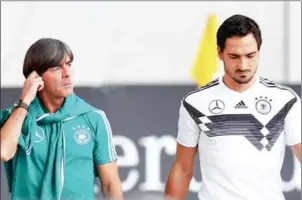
[(53, 143)]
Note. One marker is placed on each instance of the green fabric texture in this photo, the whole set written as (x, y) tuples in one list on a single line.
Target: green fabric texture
[(49, 176)]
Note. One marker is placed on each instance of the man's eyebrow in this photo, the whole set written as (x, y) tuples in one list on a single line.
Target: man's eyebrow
[(234, 54), (68, 62), (251, 53)]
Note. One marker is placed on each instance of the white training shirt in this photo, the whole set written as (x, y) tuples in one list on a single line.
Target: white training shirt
[(241, 138)]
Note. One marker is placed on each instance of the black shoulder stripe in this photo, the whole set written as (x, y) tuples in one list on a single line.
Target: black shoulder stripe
[(207, 86), (267, 82), (212, 82), (272, 84)]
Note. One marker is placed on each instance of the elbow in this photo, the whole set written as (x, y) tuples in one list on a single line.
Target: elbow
[(106, 188), (187, 171), (112, 191), (5, 155), (188, 174)]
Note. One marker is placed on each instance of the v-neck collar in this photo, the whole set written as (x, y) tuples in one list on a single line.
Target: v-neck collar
[(247, 91)]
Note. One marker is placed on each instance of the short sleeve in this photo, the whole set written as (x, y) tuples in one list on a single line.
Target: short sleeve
[(292, 126), (188, 131), (4, 114), (24, 140), (104, 150)]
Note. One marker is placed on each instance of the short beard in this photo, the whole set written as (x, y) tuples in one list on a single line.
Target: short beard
[(238, 80), (242, 81)]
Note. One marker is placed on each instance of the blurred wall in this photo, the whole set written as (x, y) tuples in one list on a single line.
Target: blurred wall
[(143, 42)]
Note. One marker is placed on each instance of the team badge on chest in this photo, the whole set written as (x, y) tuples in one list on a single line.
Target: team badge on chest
[(263, 105), (81, 135)]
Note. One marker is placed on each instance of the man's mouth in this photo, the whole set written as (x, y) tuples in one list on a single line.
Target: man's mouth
[(67, 85)]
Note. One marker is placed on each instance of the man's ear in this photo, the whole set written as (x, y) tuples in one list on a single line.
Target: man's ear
[(219, 53)]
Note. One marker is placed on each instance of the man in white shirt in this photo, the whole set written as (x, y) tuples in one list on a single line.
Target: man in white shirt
[(240, 125)]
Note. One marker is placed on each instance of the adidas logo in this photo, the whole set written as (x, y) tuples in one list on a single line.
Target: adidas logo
[(241, 104)]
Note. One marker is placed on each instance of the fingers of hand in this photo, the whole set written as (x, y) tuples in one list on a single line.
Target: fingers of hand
[(34, 83), (41, 85), (32, 75), (38, 82), (33, 80), (37, 79)]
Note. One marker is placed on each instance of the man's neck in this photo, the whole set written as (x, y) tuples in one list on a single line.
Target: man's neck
[(51, 104), (233, 85)]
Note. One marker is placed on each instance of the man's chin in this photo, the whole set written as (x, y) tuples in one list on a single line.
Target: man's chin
[(67, 92), (243, 79)]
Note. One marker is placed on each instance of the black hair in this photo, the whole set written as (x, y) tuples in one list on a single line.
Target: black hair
[(238, 25), (44, 54)]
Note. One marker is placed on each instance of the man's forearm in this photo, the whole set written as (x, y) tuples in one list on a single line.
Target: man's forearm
[(177, 184), (10, 133)]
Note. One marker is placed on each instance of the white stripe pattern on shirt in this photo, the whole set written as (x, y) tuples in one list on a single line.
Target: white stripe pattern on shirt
[(111, 148)]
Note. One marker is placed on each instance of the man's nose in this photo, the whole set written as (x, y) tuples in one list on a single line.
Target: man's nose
[(243, 65), (66, 70)]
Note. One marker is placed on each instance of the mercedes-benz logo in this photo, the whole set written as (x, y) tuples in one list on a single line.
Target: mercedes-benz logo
[(216, 106), (39, 136)]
